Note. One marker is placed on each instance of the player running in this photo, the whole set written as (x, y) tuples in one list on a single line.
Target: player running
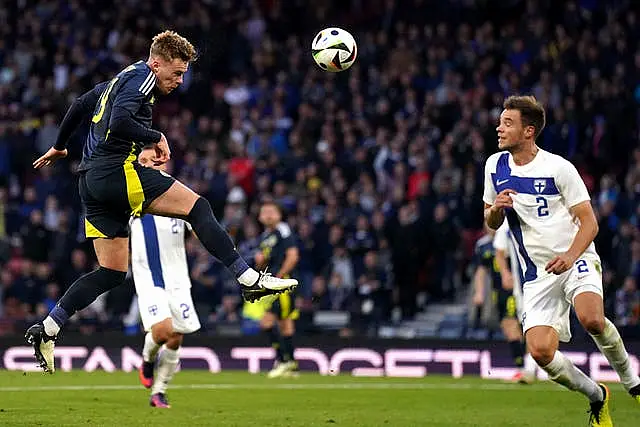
[(553, 225), (278, 250), (163, 286), (113, 186)]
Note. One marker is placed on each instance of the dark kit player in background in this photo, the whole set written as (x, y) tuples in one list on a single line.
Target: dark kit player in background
[(279, 251)]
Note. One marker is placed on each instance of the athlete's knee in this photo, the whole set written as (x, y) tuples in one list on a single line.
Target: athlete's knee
[(542, 343), (287, 327), (162, 331), (105, 279), (267, 321), (175, 341), (511, 329), (200, 210), (592, 323), (542, 352)]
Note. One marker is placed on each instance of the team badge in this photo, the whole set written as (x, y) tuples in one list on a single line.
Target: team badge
[(539, 185)]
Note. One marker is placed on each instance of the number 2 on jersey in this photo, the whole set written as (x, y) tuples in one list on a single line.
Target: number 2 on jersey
[(543, 206), (175, 227)]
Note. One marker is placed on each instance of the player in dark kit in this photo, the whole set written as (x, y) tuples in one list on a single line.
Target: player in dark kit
[(278, 250), (488, 269), (113, 186)]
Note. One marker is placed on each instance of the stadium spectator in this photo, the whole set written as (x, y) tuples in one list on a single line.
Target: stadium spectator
[(383, 161)]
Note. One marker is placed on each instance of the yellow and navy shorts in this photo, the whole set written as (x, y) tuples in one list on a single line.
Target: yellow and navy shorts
[(284, 306), (111, 196), (506, 304)]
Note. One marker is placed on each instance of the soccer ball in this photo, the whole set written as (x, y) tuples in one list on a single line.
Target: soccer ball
[(334, 49)]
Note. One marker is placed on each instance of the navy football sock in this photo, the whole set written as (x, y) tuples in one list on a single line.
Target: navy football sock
[(214, 238), (84, 291)]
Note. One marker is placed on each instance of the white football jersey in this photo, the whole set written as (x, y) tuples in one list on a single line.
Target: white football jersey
[(540, 222), (158, 254)]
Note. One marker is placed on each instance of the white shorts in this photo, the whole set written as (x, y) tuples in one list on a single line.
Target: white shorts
[(547, 300), (517, 295), (157, 304)]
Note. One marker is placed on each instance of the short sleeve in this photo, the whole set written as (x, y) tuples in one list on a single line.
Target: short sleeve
[(489, 196), (286, 236), (571, 186), (501, 238)]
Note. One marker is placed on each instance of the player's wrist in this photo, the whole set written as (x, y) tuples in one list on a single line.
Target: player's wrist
[(572, 257), (496, 210), (494, 217)]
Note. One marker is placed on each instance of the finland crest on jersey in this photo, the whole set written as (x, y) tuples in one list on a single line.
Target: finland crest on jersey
[(158, 254), (540, 222), (539, 185)]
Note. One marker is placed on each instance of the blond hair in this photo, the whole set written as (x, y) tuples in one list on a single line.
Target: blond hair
[(531, 111), (170, 45)]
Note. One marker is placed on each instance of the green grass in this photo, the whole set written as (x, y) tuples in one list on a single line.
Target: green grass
[(241, 399)]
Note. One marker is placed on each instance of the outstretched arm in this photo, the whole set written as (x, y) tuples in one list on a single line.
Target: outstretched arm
[(77, 112)]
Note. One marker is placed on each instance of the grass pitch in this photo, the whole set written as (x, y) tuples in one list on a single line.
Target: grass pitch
[(241, 399)]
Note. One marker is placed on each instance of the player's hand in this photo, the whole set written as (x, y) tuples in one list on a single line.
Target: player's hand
[(504, 200), (507, 280), (478, 299), (560, 264), (259, 259), (50, 157), (162, 153)]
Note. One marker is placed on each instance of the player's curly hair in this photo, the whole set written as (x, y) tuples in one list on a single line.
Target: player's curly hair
[(531, 111), (170, 45)]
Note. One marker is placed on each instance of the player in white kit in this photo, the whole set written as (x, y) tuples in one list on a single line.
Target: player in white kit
[(161, 277), (507, 260), (553, 225)]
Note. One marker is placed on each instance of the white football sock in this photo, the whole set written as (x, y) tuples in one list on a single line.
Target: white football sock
[(530, 366), (249, 277), (167, 365), (611, 346), (51, 328), (564, 372), (150, 348)]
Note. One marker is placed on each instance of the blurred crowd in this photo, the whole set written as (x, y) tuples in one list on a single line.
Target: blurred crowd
[(379, 169)]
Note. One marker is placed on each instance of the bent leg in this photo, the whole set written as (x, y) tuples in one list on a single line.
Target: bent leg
[(268, 324), (181, 202), (513, 333), (543, 346), (590, 312), (113, 258), (167, 363)]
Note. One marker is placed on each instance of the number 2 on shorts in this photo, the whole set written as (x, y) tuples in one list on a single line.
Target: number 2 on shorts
[(582, 266), (185, 310)]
